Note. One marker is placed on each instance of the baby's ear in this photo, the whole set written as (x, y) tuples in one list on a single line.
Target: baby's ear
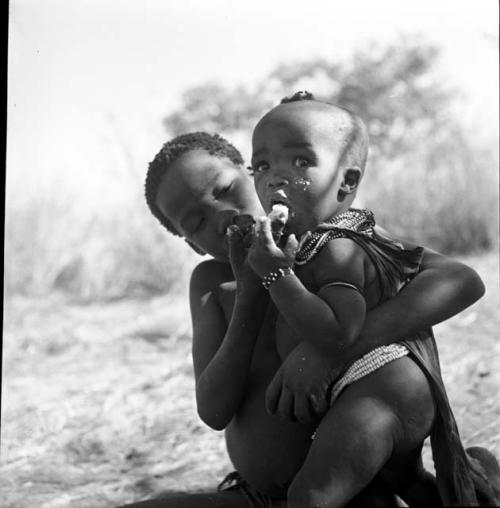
[(199, 251), (350, 182)]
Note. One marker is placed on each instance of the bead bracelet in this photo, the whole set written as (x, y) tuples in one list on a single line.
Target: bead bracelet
[(274, 276)]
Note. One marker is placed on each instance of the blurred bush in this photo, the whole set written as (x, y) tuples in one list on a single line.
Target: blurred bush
[(428, 179), (50, 246)]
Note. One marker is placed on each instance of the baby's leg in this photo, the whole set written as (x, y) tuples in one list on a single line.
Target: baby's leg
[(412, 482), (379, 420), (376, 494), (353, 442)]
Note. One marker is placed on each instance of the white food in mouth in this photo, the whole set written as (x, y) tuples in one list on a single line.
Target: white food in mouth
[(278, 217), (279, 213)]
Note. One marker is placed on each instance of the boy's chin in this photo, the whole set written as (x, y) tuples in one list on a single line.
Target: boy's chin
[(223, 257)]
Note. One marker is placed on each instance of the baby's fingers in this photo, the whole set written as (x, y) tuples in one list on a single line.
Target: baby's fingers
[(318, 403), (291, 247), (263, 232)]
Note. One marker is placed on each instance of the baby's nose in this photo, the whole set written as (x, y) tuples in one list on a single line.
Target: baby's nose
[(279, 180)]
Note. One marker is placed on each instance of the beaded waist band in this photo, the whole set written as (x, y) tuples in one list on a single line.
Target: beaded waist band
[(366, 365)]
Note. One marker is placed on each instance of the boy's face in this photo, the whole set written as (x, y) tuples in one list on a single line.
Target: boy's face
[(201, 193), (296, 149)]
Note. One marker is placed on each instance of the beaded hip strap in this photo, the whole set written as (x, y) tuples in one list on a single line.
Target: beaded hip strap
[(366, 365)]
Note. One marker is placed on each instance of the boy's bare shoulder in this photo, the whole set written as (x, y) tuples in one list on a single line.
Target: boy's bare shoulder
[(209, 275)]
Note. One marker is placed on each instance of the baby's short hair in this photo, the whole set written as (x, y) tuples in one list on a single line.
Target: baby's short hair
[(356, 147), (214, 144)]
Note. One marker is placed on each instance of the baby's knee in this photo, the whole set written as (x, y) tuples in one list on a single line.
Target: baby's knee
[(302, 493), (300, 496)]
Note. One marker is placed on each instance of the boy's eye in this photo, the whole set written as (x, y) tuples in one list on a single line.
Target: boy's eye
[(221, 192), (301, 162)]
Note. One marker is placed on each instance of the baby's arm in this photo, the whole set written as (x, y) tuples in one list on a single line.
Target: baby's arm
[(222, 354), (333, 317), (442, 288)]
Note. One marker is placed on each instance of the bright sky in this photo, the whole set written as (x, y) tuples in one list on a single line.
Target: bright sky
[(90, 80)]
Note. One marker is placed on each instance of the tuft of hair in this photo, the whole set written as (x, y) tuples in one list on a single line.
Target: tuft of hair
[(214, 144), (303, 95)]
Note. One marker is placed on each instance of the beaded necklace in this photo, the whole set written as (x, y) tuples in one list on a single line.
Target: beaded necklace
[(353, 219)]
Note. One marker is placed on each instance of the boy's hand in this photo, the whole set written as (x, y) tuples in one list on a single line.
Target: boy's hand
[(264, 255), (299, 389), (244, 275)]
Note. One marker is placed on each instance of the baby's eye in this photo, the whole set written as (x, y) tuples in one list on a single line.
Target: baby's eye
[(301, 162), (259, 167)]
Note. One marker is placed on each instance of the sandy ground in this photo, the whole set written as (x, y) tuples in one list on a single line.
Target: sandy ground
[(98, 405)]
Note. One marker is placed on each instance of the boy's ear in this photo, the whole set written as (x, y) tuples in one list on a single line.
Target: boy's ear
[(199, 251), (350, 182)]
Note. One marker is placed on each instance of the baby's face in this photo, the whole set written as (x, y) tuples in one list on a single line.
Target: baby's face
[(201, 193), (295, 162)]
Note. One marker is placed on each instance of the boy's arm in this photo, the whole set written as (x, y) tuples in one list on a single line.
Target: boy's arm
[(222, 353), (333, 317), (442, 288)]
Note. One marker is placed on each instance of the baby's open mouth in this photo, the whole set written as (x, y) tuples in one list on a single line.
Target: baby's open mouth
[(279, 216)]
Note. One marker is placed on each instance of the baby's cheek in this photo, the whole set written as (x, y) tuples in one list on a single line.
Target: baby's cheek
[(302, 183)]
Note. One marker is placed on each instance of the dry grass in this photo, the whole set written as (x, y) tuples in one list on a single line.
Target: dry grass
[(98, 404)]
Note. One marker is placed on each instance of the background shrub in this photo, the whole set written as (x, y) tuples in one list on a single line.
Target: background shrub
[(430, 177)]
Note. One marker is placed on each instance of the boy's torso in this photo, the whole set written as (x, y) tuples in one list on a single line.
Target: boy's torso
[(267, 450)]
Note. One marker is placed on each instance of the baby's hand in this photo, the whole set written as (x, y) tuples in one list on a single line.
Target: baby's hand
[(299, 389), (264, 255)]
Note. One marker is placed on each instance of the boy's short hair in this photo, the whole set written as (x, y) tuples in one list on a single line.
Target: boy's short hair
[(214, 144), (356, 150)]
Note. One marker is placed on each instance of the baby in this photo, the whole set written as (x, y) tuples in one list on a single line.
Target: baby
[(310, 157), (197, 188)]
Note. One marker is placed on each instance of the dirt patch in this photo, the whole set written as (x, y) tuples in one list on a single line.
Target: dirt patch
[(98, 405)]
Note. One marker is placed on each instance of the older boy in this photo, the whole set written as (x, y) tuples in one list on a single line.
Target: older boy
[(196, 187)]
